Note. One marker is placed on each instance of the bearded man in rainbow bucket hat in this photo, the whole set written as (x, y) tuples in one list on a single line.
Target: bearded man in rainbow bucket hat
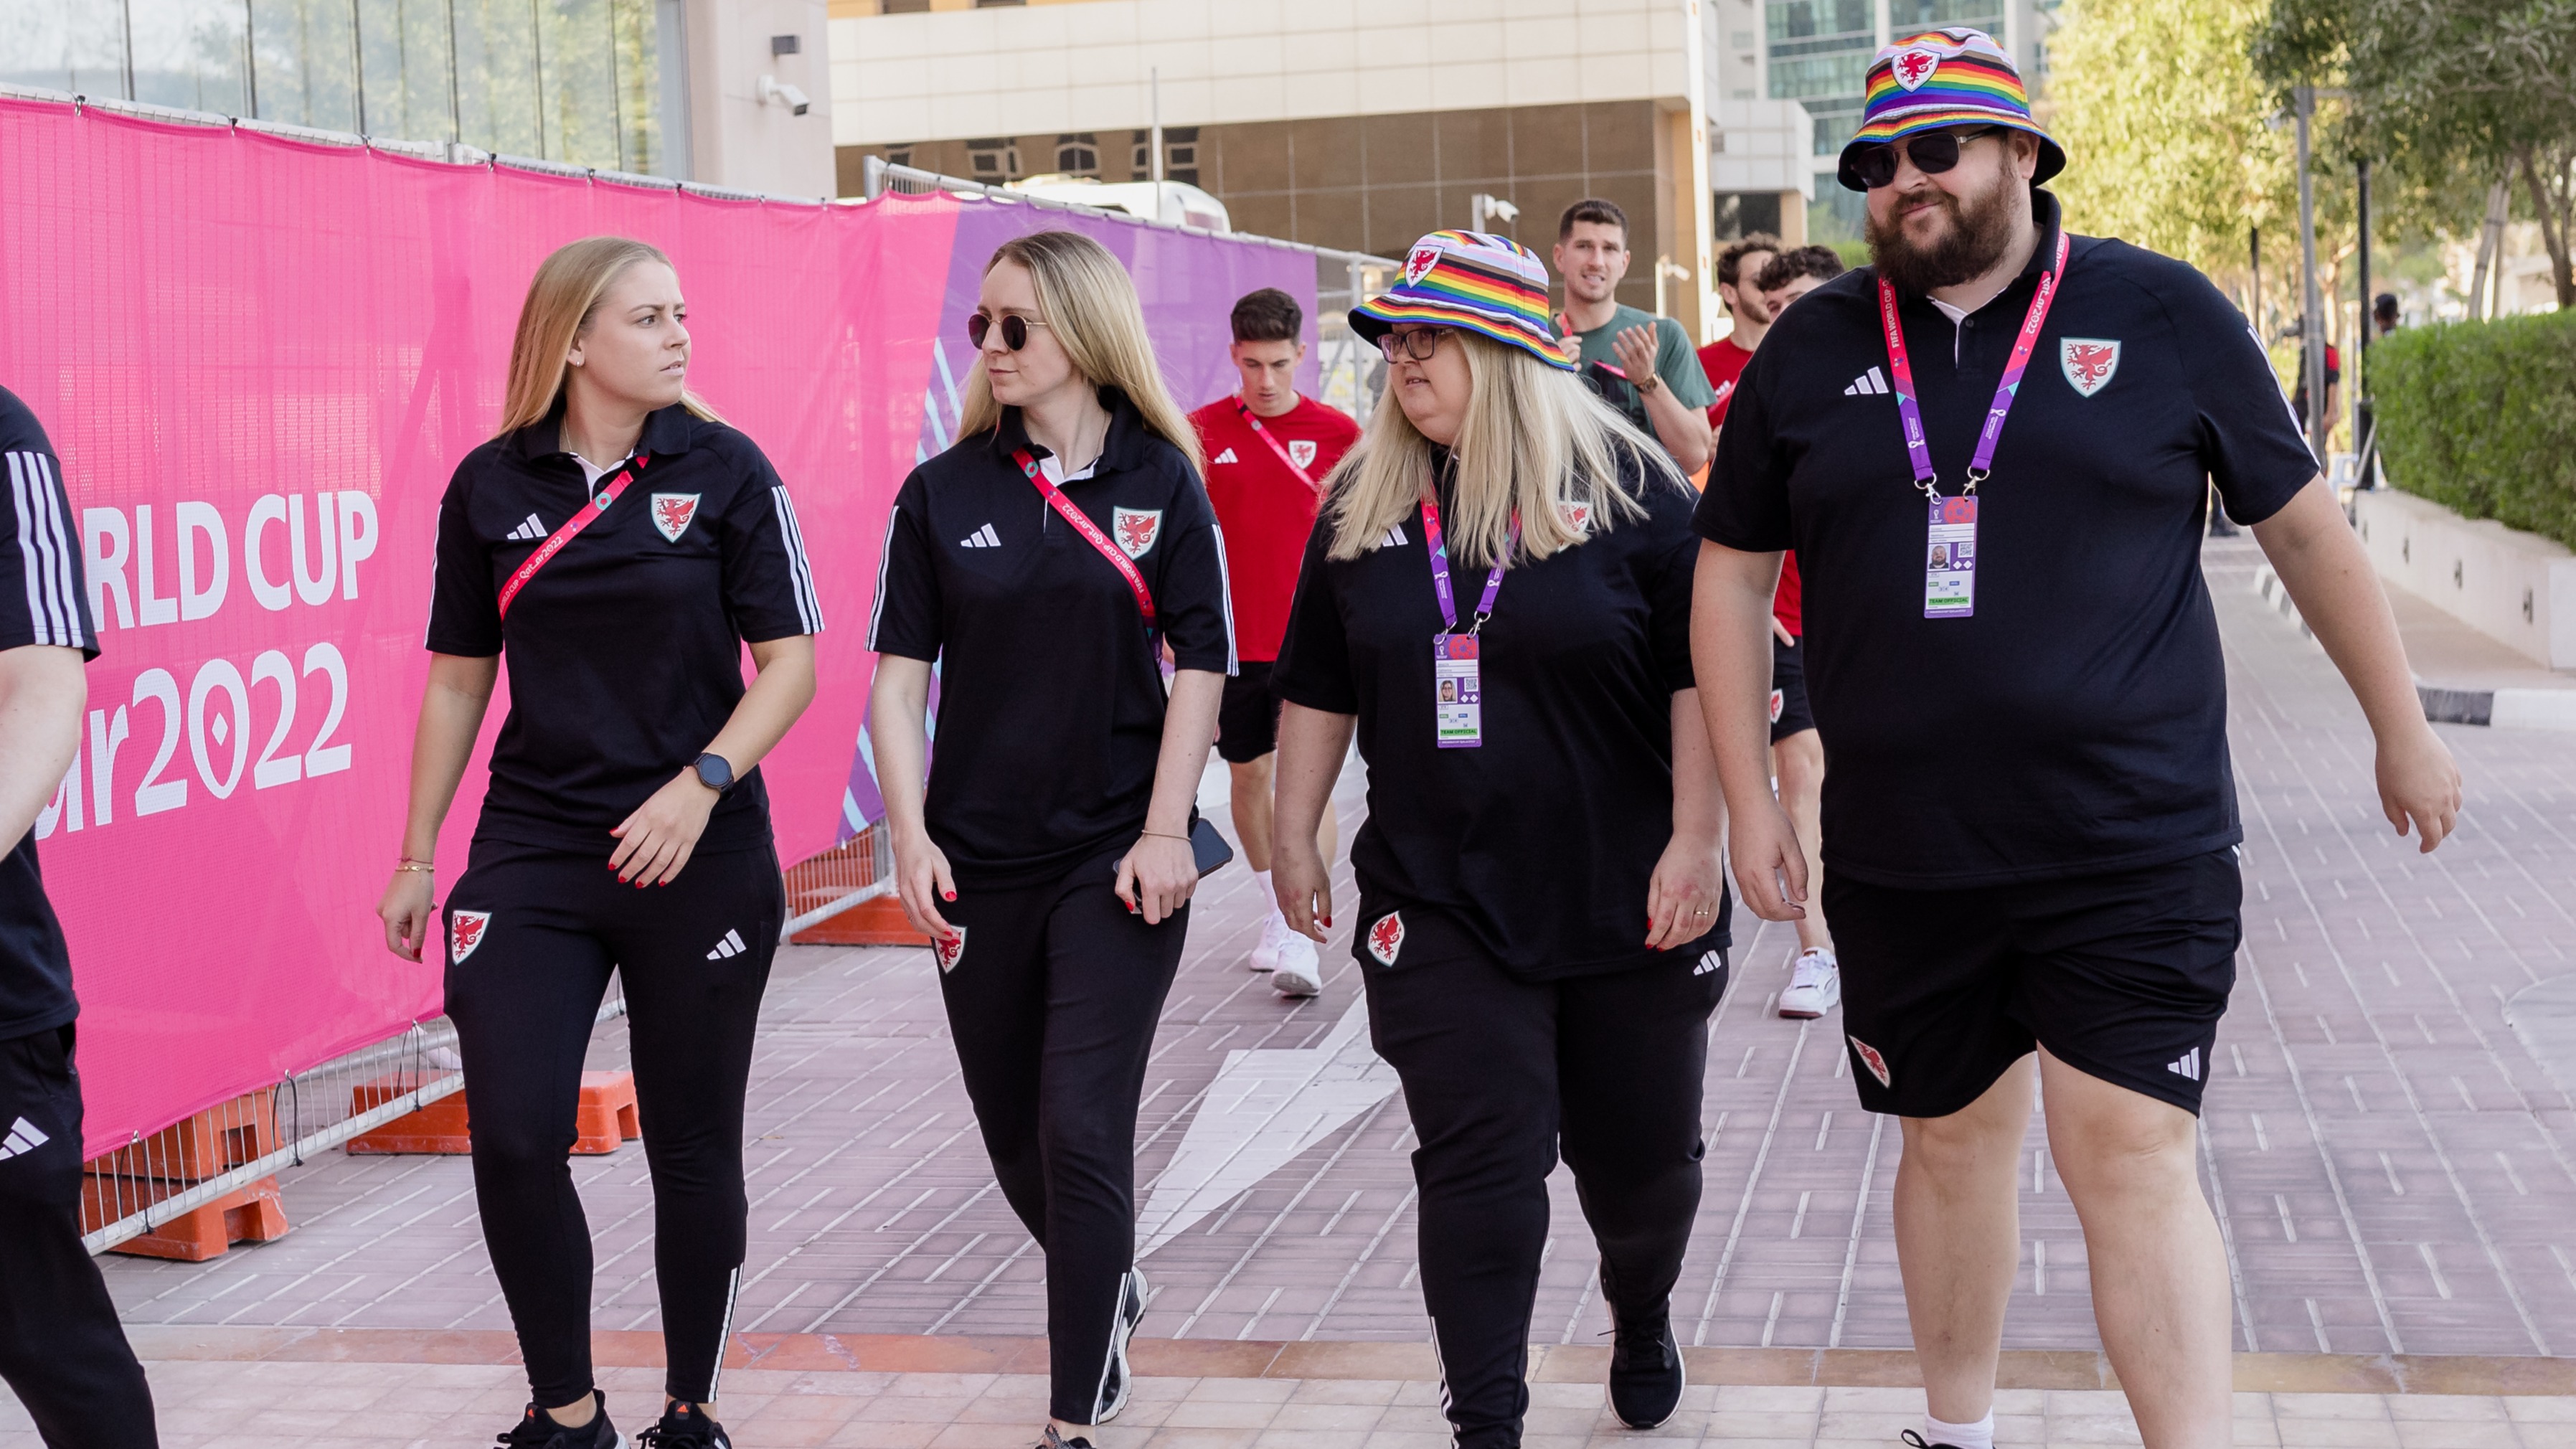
[(2030, 832)]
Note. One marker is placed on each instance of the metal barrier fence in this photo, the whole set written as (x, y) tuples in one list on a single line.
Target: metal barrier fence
[(1353, 372)]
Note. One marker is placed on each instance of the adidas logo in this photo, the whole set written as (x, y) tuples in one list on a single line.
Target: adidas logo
[(2186, 1065), (731, 945), (1708, 961), (983, 537), (1868, 384), (1225, 457), (529, 529), (1394, 538), (25, 1137)]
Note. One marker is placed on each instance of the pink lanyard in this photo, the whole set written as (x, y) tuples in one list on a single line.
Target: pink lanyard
[(582, 518), (1981, 466), (1281, 453), (1440, 569), (1083, 525)]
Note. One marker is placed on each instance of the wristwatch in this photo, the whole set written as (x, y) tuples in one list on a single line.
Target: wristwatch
[(1646, 386), (714, 772)]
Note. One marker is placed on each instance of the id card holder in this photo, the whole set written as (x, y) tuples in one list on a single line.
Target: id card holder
[(1950, 559), (1458, 696)]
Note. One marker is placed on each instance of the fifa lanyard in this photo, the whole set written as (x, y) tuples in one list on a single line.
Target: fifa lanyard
[(1916, 448), (582, 518), (1440, 586), (1091, 533), (1254, 419)]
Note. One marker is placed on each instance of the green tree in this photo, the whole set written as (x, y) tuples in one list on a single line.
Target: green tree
[(2444, 92)]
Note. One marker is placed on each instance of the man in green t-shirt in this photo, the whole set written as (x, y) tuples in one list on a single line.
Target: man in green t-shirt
[(1652, 372)]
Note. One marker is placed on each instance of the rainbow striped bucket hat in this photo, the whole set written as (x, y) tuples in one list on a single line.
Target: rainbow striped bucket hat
[(1486, 284), (1941, 79)]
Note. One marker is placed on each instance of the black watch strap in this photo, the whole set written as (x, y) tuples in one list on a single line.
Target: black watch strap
[(715, 772)]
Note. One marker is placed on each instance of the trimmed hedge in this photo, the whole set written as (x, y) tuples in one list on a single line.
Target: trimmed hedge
[(2480, 417)]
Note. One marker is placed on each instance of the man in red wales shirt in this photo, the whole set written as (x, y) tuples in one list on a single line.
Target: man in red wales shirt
[(1268, 451)]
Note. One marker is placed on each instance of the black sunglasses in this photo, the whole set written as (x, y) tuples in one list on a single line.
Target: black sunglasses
[(1015, 330), (1932, 152), (1417, 345)]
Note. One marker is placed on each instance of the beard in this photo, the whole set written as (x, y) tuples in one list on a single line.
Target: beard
[(1749, 301), (1980, 232)]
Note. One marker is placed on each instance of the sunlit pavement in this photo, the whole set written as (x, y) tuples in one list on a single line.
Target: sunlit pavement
[(2390, 1160)]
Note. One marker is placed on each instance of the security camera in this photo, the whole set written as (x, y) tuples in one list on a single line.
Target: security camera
[(775, 94)]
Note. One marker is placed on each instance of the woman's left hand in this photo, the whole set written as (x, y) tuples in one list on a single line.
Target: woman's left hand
[(1686, 892), (1157, 876), (657, 840)]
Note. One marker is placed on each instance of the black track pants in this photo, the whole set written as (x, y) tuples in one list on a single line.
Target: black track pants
[(524, 988), (1053, 1002), (1497, 1073), (61, 1349)]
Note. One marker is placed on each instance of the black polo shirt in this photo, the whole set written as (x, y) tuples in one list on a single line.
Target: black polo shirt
[(2077, 723), (43, 600), (1539, 842), (625, 649), (1050, 693)]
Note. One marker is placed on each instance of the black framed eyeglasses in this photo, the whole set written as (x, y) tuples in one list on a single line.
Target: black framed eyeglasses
[(1414, 346), (1015, 330), (1933, 152)]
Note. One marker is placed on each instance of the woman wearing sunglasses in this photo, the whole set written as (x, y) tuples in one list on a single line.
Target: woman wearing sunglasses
[(1496, 600), (1045, 559)]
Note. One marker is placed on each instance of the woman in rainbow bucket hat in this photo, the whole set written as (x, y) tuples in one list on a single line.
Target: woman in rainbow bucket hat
[(1496, 602)]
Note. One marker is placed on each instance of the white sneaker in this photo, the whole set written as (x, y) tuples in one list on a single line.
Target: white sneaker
[(1815, 987), (1297, 972), (1275, 945)]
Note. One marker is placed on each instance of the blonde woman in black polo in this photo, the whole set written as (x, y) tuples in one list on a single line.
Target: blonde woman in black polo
[(619, 545)]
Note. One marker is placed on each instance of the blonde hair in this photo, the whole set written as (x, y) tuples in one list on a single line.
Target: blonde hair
[(1534, 441), (1090, 303), (561, 298)]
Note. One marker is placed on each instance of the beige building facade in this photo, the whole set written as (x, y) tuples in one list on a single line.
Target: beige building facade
[(1353, 124)]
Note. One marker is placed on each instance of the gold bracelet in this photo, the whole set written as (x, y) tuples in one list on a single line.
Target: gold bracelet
[(421, 867), (1163, 835)]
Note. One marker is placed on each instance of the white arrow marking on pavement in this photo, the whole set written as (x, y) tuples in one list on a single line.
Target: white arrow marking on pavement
[(1264, 1108)]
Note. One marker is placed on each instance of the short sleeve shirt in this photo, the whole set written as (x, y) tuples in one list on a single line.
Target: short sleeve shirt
[(1267, 510), (1722, 362), (625, 649), (1050, 691), (1573, 782), (43, 600), (2077, 722), (1675, 363)]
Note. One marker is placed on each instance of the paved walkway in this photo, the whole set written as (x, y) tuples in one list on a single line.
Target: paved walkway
[(2392, 1164)]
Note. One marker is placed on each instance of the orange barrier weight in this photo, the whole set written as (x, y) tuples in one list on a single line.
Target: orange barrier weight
[(253, 1214), (605, 1120), (206, 1145), (878, 922)]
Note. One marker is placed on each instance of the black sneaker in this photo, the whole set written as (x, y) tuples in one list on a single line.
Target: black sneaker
[(684, 1426), (1909, 1438), (1131, 1312), (537, 1429), (1053, 1440), (1646, 1377)]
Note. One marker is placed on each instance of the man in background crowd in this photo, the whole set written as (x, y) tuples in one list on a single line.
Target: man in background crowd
[(1268, 451), (1643, 364), (1794, 273), (1739, 267)]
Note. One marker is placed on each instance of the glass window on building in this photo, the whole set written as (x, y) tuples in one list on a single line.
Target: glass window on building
[(1820, 54), (582, 82), (1078, 154)]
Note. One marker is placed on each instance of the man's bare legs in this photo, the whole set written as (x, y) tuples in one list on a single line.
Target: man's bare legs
[(1252, 786), (1958, 1240), (2160, 1291), (2160, 1295), (1798, 763)]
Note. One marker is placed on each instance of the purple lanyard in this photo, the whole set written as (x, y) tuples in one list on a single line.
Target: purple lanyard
[(1440, 569), (1981, 466)]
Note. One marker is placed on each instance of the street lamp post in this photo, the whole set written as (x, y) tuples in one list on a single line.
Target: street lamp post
[(2312, 332)]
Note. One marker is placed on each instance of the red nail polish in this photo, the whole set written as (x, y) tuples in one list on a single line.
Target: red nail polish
[(948, 895)]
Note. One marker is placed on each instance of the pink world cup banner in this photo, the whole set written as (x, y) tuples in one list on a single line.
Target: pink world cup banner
[(260, 360)]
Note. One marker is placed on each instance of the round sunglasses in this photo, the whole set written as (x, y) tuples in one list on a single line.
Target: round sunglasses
[(1416, 345), (1015, 330), (1932, 152)]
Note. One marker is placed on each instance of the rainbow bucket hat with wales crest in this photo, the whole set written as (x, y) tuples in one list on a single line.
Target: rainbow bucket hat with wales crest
[(1940, 80), (1486, 284)]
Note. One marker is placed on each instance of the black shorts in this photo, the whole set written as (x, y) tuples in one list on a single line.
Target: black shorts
[(2122, 976), (1789, 712), (1247, 721)]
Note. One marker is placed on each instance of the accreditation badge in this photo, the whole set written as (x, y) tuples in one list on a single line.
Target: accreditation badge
[(1950, 560), (1458, 697)]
